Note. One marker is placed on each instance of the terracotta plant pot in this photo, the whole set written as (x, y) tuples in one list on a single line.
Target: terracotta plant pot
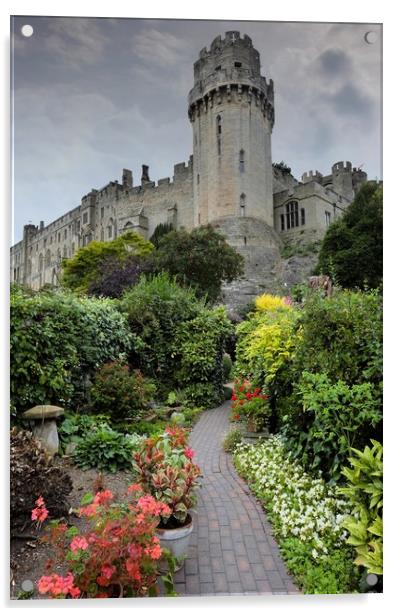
[(177, 540)]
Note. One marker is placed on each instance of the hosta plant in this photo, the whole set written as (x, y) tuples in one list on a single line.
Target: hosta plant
[(117, 555), (164, 468)]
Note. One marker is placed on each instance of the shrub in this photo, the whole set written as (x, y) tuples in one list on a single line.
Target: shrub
[(332, 418), (198, 349), (117, 551), (227, 367), (232, 439), (155, 307), (342, 337), (119, 393), (364, 490), (104, 449), (267, 341), (270, 303), (307, 517), (33, 473), (57, 340)]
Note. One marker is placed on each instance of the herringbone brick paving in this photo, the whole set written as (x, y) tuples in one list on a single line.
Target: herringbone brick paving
[(232, 550)]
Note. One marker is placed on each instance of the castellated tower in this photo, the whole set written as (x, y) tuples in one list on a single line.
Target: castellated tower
[(231, 109)]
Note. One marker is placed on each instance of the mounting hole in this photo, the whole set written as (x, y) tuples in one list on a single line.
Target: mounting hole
[(370, 37), (27, 30)]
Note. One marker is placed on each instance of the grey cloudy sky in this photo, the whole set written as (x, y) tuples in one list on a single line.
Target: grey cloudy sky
[(92, 96)]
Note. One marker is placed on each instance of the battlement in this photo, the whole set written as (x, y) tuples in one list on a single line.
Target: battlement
[(218, 44), (312, 176), (341, 167)]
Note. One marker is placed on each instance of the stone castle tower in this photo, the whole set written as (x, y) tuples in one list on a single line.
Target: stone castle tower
[(231, 110), (229, 181)]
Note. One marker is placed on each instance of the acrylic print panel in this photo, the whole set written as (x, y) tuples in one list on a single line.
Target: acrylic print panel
[(249, 140)]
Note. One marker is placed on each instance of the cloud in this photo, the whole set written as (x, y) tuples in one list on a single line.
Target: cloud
[(159, 48), (334, 62), (76, 41)]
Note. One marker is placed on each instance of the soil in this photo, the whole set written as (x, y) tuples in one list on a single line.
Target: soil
[(28, 556)]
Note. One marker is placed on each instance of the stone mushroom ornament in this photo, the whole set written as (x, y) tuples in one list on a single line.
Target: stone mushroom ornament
[(44, 422)]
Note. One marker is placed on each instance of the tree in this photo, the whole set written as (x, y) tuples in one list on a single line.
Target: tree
[(114, 276), (160, 230), (81, 271), (201, 259), (351, 251)]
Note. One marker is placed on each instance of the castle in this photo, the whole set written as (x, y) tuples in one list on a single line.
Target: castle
[(229, 181)]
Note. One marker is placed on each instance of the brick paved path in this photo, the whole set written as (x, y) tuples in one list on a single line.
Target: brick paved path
[(232, 550)]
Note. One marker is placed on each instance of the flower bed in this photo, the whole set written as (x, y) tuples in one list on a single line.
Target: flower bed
[(306, 514)]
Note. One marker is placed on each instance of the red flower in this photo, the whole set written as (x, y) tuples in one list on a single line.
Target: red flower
[(189, 453), (102, 497)]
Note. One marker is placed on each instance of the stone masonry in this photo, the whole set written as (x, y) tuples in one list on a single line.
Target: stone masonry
[(229, 181)]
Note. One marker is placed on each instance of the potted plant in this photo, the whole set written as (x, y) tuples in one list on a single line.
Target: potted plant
[(117, 555), (251, 405), (164, 468)]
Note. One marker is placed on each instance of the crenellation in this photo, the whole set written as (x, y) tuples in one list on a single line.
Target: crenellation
[(228, 181)]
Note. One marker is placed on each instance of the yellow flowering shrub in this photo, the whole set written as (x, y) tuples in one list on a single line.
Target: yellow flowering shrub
[(270, 303), (265, 343)]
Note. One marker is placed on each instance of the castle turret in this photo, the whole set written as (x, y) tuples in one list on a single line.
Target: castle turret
[(231, 108), (342, 179)]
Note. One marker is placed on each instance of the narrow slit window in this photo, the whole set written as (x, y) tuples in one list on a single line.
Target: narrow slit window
[(303, 219), (242, 161), (328, 218), (242, 204), (282, 222)]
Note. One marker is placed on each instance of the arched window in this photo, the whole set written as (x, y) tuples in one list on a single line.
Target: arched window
[(102, 234), (242, 161), (110, 229), (65, 252), (47, 260), (242, 204), (29, 268)]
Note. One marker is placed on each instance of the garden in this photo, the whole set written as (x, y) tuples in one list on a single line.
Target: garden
[(111, 372)]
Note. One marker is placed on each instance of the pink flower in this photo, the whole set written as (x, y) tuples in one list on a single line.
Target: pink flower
[(39, 514), (102, 497), (89, 511), (40, 501), (107, 571), (189, 453), (78, 543), (135, 487)]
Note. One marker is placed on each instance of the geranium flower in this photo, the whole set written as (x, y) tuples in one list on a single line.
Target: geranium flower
[(40, 514), (189, 453), (108, 571), (102, 497), (78, 543)]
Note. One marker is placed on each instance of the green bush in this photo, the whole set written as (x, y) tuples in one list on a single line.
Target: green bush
[(227, 367), (333, 418), (364, 490), (198, 348), (57, 340), (155, 307), (104, 449), (119, 393), (177, 340)]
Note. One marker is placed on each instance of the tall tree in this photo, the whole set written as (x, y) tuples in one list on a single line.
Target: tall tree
[(201, 259), (351, 251)]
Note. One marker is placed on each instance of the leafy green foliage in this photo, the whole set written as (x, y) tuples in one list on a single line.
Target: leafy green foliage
[(201, 259), (120, 393), (352, 247), (85, 266), (105, 449), (364, 489), (334, 418), (56, 340), (114, 276), (160, 230), (177, 341), (75, 426), (232, 439), (154, 308)]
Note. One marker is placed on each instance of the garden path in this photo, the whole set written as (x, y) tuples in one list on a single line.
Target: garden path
[(232, 550)]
